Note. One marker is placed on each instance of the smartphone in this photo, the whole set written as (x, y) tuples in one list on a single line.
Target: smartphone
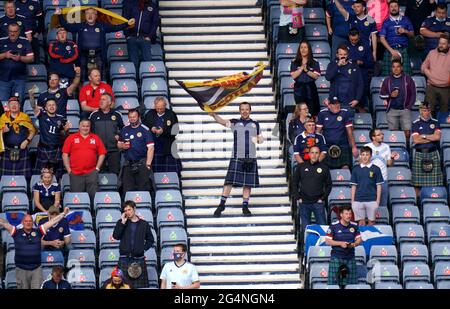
[(15, 53)]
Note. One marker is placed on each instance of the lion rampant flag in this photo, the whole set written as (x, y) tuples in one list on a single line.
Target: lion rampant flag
[(212, 95)]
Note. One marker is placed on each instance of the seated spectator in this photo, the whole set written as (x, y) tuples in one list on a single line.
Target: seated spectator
[(15, 53), (140, 37), (366, 184), (434, 27), (52, 128), (426, 163), (336, 24), (381, 157), (418, 11), (394, 35), (346, 81), (83, 155), (359, 53), (46, 193), (179, 274), (11, 17), (305, 71), (308, 139), (436, 69), (398, 92), (337, 127), (18, 132), (288, 32), (91, 93), (27, 243), (57, 93), (57, 237), (31, 10), (116, 281), (163, 123), (297, 122), (107, 123), (364, 23), (91, 40), (56, 282), (63, 56), (311, 186)]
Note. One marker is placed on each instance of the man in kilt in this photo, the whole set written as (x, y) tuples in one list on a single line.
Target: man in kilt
[(135, 237), (162, 122), (52, 129), (343, 236), (336, 126), (17, 131), (243, 168), (394, 35), (426, 166)]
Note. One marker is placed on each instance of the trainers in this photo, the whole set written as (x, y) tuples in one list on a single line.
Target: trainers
[(218, 211), (246, 211)]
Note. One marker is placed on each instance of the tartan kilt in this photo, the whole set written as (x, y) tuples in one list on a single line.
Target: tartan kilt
[(386, 65), (352, 276), (433, 178), (165, 163), (237, 177), (20, 167), (45, 155), (344, 159), (142, 281)]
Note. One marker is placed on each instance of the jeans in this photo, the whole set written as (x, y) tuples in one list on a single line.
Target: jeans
[(8, 89), (138, 46), (335, 42), (305, 210)]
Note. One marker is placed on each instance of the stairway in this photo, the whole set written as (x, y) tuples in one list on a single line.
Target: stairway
[(205, 40)]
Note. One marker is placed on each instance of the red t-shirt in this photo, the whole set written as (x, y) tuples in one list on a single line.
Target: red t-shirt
[(83, 152), (91, 96)]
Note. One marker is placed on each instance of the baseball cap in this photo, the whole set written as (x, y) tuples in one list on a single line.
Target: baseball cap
[(334, 100)]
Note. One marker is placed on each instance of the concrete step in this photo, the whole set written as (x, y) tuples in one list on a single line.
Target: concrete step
[(245, 249), (252, 286), (210, 13), (267, 278), (187, 48), (207, 211), (180, 4), (245, 65), (260, 258), (256, 37), (211, 240), (218, 30), (223, 164), (255, 100), (227, 109), (264, 82), (265, 191), (251, 230), (222, 173), (246, 268), (207, 74), (223, 146), (203, 20), (204, 118), (225, 155), (240, 220), (218, 182)]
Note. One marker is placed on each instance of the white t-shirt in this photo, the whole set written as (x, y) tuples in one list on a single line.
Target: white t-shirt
[(380, 157), (183, 275)]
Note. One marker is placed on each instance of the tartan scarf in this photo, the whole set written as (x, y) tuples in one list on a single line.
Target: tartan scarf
[(22, 119)]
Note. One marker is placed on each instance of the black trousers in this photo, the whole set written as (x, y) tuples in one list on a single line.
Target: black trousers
[(84, 59), (136, 181), (111, 163)]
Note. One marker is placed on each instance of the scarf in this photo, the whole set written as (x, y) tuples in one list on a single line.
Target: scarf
[(22, 119)]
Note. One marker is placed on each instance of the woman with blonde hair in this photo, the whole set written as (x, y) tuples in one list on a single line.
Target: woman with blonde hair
[(46, 192), (296, 124)]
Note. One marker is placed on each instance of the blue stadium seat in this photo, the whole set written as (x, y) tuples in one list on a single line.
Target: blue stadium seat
[(87, 220), (83, 240), (401, 156), (105, 274), (73, 107), (126, 87), (141, 198), (77, 201), (340, 177), (123, 104), (323, 86), (107, 218), (112, 4), (106, 240), (395, 138), (82, 278), (166, 255), (420, 82), (375, 84), (122, 69), (438, 232), (388, 286), (152, 69), (157, 52), (418, 285), (402, 195), (10, 280), (288, 102), (323, 64), (117, 52), (168, 198), (384, 254), (7, 240), (318, 273), (74, 120), (171, 235), (314, 15), (444, 119), (108, 258), (108, 181), (440, 251), (324, 286), (384, 273), (361, 137), (36, 72), (416, 63), (323, 99), (81, 258), (446, 158), (382, 215), (10, 263), (170, 216), (363, 121), (405, 213), (321, 49), (318, 254), (444, 285), (15, 201), (53, 4), (435, 194), (399, 176), (286, 85), (441, 272), (52, 258), (445, 139), (316, 32), (286, 51), (339, 196), (380, 116), (27, 109), (407, 232), (358, 287), (117, 37), (153, 278), (154, 86), (16, 183), (107, 200), (65, 183), (284, 68), (435, 213), (167, 180), (151, 258), (360, 255), (413, 253), (413, 271)]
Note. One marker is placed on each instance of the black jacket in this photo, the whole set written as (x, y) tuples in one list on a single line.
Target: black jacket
[(144, 238), (312, 182), (147, 21), (169, 132), (107, 126)]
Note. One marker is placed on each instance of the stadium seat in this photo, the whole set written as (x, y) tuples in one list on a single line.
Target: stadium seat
[(107, 218), (123, 104), (416, 272), (405, 213), (117, 37), (380, 116), (361, 137), (446, 158), (383, 273), (436, 213), (36, 72), (82, 278), (287, 102), (395, 138), (10, 280), (125, 87), (314, 16), (81, 258), (321, 49), (65, 183), (171, 235), (87, 220), (284, 68), (382, 215), (445, 139), (73, 107), (363, 121), (122, 69), (168, 198), (157, 52), (399, 176), (340, 177), (151, 258), (117, 52), (141, 198), (441, 272), (167, 180), (108, 257), (318, 273), (402, 195), (83, 240), (407, 232), (105, 274), (170, 216), (15, 201), (413, 253), (323, 99), (316, 32), (318, 254), (358, 287), (324, 286), (436, 194), (154, 86), (8, 241), (360, 255), (106, 240), (10, 263), (107, 181), (74, 120), (420, 83), (339, 196), (416, 63), (444, 119), (150, 69), (77, 201), (53, 4), (444, 285), (418, 285), (13, 184), (285, 51), (388, 286), (153, 278), (440, 251), (286, 86), (146, 214), (107, 200), (401, 156), (375, 84), (112, 4), (383, 254), (438, 232), (149, 102), (166, 255), (52, 258)]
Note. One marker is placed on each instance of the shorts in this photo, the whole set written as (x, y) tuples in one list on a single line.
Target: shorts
[(399, 119), (363, 210)]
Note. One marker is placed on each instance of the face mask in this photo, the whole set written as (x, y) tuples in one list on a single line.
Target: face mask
[(134, 124), (177, 256)]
